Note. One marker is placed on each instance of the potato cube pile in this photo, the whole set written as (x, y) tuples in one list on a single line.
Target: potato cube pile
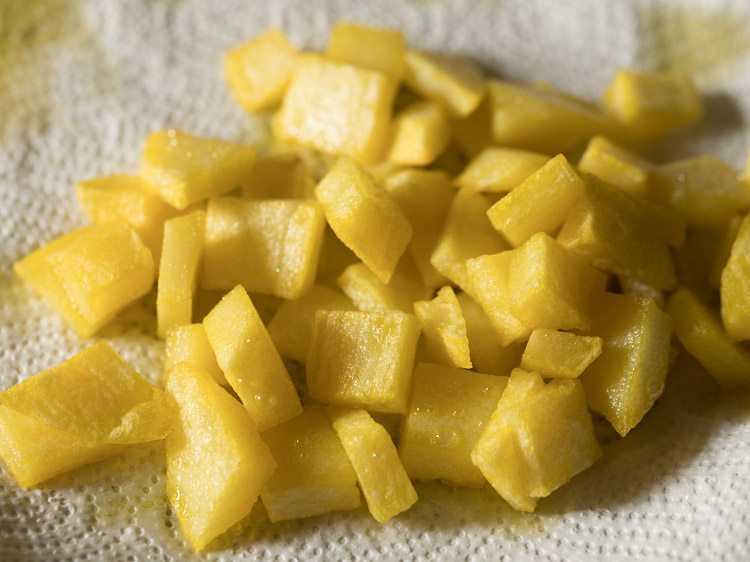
[(466, 272)]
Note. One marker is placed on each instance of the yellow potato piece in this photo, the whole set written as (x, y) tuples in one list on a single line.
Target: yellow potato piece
[(650, 105), (267, 246), (381, 475), (314, 475), (499, 170), (556, 354), (189, 344), (453, 81), (78, 412), (473, 133), (216, 460), (183, 169), (279, 176), (448, 409), (252, 366), (444, 329), (728, 236), (364, 217), (362, 359), (541, 203), (615, 165), (178, 270), (89, 275), (419, 134), (369, 47), (337, 108), (735, 286)]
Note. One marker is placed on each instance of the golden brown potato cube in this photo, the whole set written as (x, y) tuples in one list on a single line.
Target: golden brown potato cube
[(444, 329), (617, 166), (419, 134), (556, 354), (189, 344), (499, 170), (369, 47)]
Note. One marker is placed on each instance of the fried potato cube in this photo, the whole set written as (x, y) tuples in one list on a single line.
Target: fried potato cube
[(424, 196), (444, 329), (267, 246), (279, 176), (452, 81), (382, 478), (556, 354), (362, 359), (369, 47), (735, 286), (189, 344), (259, 71), (609, 229), (183, 169), (700, 332), (123, 198), (291, 327), (448, 409), (370, 294), (314, 475), (216, 461), (178, 270), (703, 188), (252, 366), (89, 275), (76, 413), (726, 239), (541, 120), (487, 355), (541, 203), (337, 108), (650, 105), (467, 234), (499, 170), (419, 134), (615, 165), (551, 287), (517, 452), (364, 217)]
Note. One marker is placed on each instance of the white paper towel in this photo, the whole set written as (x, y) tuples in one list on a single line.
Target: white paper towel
[(82, 84)]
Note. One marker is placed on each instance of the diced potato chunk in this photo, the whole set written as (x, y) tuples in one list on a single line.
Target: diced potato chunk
[(467, 234), (518, 452), (123, 198), (424, 196), (628, 377), (735, 286), (701, 334), (216, 461), (551, 287), (364, 217), (617, 166), (337, 108), (541, 203), (381, 475), (487, 355), (727, 238), (268, 246), (370, 47), (444, 329), (189, 344), (499, 170), (259, 71), (608, 229), (314, 475), (252, 366), (183, 169), (541, 120), (91, 274), (178, 270), (362, 359), (448, 409), (649, 105), (279, 176), (78, 412), (370, 294), (420, 133), (704, 189), (292, 325), (453, 81), (556, 354)]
